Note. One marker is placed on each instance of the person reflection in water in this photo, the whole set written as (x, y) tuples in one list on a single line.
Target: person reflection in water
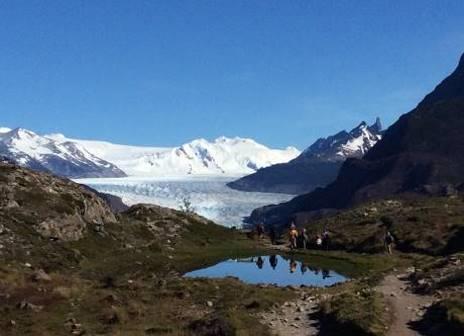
[(260, 262), (325, 274), (303, 268), (292, 266), (273, 261)]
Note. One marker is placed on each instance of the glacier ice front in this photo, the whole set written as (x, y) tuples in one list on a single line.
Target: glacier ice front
[(210, 197)]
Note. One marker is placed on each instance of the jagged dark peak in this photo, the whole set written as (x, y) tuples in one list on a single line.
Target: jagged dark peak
[(377, 126), (345, 144)]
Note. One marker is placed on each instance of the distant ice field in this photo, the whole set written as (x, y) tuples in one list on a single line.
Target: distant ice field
[(210, 197)]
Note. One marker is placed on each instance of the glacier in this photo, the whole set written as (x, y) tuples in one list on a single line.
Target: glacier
[(210, 197)]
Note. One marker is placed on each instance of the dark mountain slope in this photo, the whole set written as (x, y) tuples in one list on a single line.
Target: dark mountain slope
[(422, 152), (316, 167)]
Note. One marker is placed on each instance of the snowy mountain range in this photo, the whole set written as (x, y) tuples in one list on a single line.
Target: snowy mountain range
[(317, 166), (85, 158), (64, 158)]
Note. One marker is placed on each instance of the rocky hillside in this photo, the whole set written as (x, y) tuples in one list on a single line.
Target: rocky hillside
[(420, 153), (317, 166), (55, 208), (70, 266), (427, 225)]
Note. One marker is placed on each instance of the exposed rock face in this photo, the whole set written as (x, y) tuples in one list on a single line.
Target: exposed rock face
[(54, 207), (166, 224), (317, 166), (422, 151)]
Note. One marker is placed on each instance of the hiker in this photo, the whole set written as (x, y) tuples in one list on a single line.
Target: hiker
[(260, 262), (293, 235), (273, 261), (388, 241), (325, 239), (272, 235), (319, 241), (304, 239)]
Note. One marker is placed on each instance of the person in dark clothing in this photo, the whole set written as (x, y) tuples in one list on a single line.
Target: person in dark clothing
[(273, 261), (326, 239), (388, 241), (304, 239)]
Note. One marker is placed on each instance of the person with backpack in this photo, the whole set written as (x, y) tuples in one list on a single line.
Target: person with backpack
[(293, 236), (389, 241)]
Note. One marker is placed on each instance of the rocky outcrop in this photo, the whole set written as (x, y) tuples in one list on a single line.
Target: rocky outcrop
[(56, 208)]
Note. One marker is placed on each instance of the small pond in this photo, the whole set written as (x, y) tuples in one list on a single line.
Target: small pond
[(275, 269)]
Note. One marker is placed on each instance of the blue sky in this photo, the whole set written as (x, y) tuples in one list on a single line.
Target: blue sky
[(165, 72)]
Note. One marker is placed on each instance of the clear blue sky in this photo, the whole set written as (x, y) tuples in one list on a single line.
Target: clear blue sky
[(165, 72)]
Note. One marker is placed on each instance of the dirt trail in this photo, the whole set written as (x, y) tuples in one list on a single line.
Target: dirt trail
[(293, 318), (406, 306)]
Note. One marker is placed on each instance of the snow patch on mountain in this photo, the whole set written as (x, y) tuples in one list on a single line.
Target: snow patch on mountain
[(345, 144)]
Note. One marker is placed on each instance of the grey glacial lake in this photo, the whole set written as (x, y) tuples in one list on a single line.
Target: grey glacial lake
[(275, 269)]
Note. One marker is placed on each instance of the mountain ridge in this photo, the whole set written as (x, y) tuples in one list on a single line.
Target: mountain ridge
[(316, 166), (420, 153), (76, 158)]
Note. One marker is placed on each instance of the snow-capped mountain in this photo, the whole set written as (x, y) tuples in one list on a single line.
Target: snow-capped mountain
[(85, 158), (223, 156), (317, 166), (65, 158), (345, 144)]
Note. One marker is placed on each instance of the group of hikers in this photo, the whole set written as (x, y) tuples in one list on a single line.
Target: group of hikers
[(297, 239), (300, 238)]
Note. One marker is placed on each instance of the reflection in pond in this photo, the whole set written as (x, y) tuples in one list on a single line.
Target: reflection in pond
[(274, 269)]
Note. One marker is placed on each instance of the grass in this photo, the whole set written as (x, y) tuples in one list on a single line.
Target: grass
[(428, 225), (357, 310)]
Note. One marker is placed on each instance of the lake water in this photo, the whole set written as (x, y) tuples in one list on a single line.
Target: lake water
[(210, 196), (279, 270)]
